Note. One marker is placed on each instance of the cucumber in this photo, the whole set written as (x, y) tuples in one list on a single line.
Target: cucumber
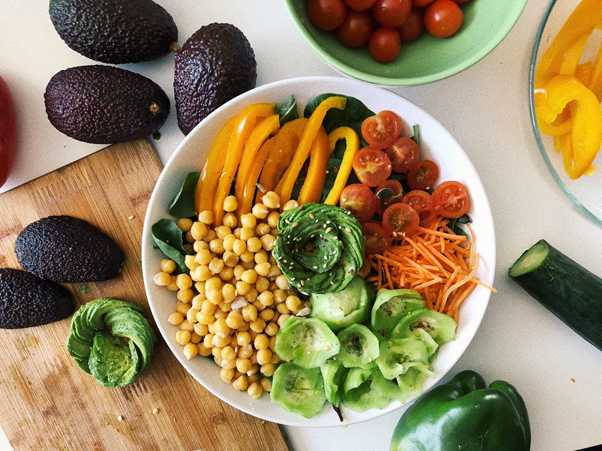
[(390, 306), (397, 356), (439, 326), (299, 390), (334, 375), (564, 287), (359, 347)]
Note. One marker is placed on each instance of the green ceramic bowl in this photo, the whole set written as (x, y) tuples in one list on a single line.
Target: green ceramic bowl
[(428, 59)]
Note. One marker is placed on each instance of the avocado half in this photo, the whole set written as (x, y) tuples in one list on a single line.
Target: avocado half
[(65, 249), (216, 64)]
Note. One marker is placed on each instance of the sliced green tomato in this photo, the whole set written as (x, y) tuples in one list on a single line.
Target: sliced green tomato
[(308, 342), (399, 355), (374, 392), (334, 375), (410, 384), (390, 306), (299, 390), (431, 345), (439, 326), (342, 309), (359, 347)]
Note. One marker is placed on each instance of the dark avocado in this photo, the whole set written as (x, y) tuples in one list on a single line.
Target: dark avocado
[(104, 104), (65, 249), (215, 65), (28, 301), (114, 31)]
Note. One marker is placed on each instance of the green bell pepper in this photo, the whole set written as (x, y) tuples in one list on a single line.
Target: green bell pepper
[(465, 415)]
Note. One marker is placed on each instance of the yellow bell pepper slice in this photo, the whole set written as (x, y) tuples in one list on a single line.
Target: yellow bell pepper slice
[(586, 17), (248, 192), (311, 191), (584, 73), (286, 184), (281, 154), (561, 125), (586, 132), (573, 55), (595, 82), (352, 142), (204, 193), (247, 120), (267, 127)]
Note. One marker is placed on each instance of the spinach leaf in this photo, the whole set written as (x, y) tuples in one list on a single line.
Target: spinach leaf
[(455, 224), (183, 204), (168, 237), (288, 111), (352, 116)]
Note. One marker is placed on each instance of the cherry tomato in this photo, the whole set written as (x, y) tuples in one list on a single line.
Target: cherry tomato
[(359, 5), (382, 130), (443, 18), (424, 175), (384, 44), (403, 154), (412, 28), (421, 3), (372, 166), (326, 14), (356, 30), (391, 13), (377, 237), (360, 201), (422, 202), (387, 193), (451, 199), (8, 132), (401, 219)]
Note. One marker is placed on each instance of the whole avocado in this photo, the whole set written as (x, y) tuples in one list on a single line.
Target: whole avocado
[(215, 65), (105, 105), (65, 249), (28, 301), (114, 31)]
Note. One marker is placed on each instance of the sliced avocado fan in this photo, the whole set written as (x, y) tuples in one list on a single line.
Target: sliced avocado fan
[(114, 358)]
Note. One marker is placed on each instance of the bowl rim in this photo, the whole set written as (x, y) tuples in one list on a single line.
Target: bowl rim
[(345, 69), (147, 248)]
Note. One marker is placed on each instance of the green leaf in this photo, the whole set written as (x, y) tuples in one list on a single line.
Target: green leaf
[(168, 237), (182, 206), (288, 111), (352, 116)]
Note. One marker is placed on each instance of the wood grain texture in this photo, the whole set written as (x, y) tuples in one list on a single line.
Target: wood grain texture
[(49, 403)]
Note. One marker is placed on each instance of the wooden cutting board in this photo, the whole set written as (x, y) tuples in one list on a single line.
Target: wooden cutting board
[(48, 402)]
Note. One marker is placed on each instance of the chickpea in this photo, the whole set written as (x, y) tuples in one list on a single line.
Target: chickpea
[(271, 200), (206, 217)]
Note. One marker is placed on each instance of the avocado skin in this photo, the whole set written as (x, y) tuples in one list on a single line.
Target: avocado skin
[(65, 249), (28, 301), (114, 31), (104, 104), (215, 65)]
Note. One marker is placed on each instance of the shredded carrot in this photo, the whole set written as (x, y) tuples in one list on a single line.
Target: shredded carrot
[(434, 261)]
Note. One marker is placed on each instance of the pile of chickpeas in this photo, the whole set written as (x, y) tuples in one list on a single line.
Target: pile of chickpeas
[(235, 299)]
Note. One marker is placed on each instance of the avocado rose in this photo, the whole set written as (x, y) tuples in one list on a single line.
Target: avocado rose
[(320, 247), (106, 355)]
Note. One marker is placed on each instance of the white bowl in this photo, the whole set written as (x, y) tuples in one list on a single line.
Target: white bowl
[(436, 143)]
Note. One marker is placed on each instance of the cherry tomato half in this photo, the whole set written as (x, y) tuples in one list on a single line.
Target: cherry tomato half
[(391, 13), (424, 175), (377, 237), (359, 200), (443, 18), (387, 193), (403, 154), (451, 199), (372, 166), (356, 29), (401, 218), (384, 44), (422, 202), (8, 132), (382, 130), (412, 28), (359, 5), (326, 14)]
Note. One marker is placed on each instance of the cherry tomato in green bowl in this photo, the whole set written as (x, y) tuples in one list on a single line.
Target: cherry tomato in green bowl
[(8, 132), (424, 60)]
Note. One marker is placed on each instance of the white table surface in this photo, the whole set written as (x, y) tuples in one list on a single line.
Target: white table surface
[(486, 108)]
